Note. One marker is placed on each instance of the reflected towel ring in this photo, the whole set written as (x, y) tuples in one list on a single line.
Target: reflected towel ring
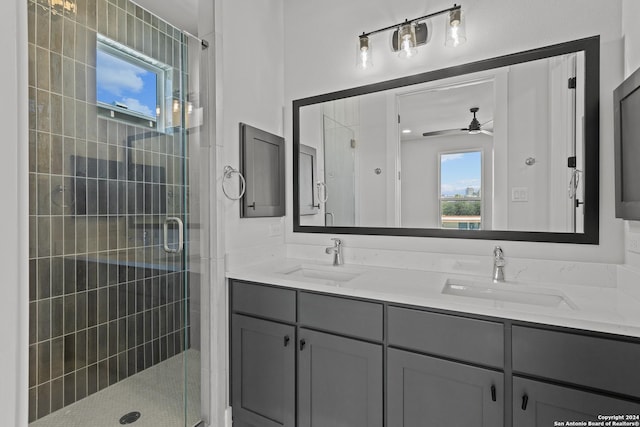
[(574, 181), (325, 194), (227, 173)]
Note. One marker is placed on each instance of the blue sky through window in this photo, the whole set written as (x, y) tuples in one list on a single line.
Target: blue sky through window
[(125, 83), (459, 171)]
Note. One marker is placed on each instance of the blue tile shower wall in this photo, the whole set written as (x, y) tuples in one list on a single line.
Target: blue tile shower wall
[(105, 301)]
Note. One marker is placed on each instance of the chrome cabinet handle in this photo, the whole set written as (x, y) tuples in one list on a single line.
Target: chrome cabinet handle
[(165, 228)]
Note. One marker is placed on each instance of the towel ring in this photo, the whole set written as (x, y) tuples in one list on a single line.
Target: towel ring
[(228, 173)]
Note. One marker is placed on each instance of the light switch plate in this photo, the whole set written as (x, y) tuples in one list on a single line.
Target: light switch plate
[(519, 194), (633, 244)]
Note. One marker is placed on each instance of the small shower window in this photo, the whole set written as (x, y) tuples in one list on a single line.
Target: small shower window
[(131, 86)]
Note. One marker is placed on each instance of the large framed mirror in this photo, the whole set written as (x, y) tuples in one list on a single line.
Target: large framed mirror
[(504, 149)]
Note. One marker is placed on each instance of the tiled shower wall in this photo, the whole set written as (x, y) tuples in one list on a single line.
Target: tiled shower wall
[(105, 301)]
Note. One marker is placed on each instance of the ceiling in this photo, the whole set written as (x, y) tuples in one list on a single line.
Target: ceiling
[(182, 14), (445, 108)]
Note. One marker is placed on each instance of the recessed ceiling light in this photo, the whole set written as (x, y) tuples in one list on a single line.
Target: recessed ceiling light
[(406, 130)]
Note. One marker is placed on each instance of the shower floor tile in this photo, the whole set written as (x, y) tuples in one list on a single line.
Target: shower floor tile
[(157, 393)]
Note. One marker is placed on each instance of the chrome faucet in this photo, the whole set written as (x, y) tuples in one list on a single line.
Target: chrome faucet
[(336, 249), (498, 265)]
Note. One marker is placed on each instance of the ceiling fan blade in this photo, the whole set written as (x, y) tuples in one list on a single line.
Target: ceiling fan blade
[(444, 132), (486, 123), (486, 132)]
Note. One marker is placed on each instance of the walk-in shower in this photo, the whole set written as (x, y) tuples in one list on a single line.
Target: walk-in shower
[(116, 225)]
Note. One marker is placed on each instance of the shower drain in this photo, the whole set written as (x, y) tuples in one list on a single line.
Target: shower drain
[(130, 418)]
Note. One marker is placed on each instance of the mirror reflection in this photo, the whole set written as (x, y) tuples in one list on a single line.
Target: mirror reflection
[(500, 149)]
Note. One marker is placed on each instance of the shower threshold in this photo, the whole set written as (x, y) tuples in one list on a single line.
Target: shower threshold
[(157, 393)]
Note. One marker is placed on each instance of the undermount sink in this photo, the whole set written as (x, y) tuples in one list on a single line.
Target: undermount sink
[(508, 293), (337, 274)]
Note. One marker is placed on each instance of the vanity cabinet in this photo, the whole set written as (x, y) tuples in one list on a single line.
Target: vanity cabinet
[(339, 380), (594, 370), (339, 373), (339, 353), (427, 391), (538, 404), (301, 358), (263, 354)]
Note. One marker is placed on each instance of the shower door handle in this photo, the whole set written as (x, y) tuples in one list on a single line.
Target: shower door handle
[(180, 235)]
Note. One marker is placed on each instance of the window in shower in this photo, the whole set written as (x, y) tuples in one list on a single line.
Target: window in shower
[(131, 86)]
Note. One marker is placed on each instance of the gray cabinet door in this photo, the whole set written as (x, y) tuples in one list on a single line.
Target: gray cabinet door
[(538, 404), (340, 381), (262, 164), (263, 373), (424, 391)]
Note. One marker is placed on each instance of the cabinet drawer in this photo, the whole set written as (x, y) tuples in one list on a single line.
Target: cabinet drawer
[(600, 363), (345, 316), (470, 340), (264, 301)]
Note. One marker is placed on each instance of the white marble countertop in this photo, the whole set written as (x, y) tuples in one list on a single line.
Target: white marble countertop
[(602, 309)]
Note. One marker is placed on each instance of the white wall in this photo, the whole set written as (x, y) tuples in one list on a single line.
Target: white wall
[(14, 252), (320, 40), (371, 153), (252, 82), (528, 102), (631, 34)]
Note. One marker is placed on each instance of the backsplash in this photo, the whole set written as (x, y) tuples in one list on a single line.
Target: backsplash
[(516, 269)]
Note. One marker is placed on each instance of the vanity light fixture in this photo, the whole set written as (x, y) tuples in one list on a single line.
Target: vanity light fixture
[(411, 33), (455, 30), (407, 40), (364, 59)]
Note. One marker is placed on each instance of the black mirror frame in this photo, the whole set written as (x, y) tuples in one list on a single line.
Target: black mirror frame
[(591, 48)]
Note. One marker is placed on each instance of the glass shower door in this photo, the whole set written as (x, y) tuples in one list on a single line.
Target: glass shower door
[(114, 304), (339, 161)]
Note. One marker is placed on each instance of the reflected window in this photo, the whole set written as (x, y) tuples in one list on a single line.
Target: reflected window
[(461, 190)]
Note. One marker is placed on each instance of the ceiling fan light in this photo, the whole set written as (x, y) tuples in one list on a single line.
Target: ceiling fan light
[(474, 126)]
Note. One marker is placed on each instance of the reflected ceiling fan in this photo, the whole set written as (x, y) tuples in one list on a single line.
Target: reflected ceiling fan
[(474, 128)]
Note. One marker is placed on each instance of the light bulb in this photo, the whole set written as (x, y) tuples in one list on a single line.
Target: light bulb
[(407, 40), (364, 57), (456, 34)]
